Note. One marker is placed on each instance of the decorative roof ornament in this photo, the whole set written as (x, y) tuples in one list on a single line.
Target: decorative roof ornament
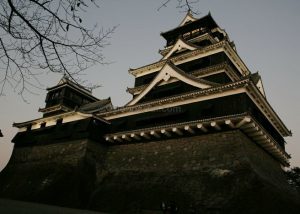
[(66, 80), (168, 71), (63, 80), (188, 18), (181, 44)]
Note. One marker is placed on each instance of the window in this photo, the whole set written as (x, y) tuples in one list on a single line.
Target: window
[(43, 125), (54, 95)]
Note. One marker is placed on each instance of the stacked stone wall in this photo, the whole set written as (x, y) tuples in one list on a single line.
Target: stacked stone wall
[(223, 172)]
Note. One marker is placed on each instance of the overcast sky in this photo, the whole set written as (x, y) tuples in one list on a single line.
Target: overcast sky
[(266, 34)]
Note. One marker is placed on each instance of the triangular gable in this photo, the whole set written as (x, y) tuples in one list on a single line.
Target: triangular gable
[(256, 79), (66, 80), (168, 71), (179, 45), (62, 80), (188, 18), (260, 87)]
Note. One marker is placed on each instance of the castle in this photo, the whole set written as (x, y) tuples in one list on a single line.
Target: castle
[(198, 136)]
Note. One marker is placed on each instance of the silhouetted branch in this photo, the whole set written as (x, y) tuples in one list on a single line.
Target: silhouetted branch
[(184, 5), (46, 35)]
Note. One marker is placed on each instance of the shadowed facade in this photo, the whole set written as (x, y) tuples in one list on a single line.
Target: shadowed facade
[(198, 133)]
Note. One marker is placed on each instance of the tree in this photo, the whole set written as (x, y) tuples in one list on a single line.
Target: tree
[(184, 5), (293, 176), (46, 35), (38, 36)]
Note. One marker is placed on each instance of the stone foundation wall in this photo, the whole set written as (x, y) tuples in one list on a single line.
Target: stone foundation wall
[(55, 174), (68, 152), (223, 172), (215, 173)]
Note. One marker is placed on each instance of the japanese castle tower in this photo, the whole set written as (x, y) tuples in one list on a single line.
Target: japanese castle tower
[(198, 136)]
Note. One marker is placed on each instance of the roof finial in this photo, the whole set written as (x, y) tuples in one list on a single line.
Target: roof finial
[(65, 76)]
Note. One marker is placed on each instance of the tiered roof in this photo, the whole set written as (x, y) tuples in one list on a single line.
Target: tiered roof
[(169, 72), (188, 24), (66, 82), (192, 42)]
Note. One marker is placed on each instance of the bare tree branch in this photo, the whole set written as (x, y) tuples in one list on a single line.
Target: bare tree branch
[(38, 36), (184, 5)]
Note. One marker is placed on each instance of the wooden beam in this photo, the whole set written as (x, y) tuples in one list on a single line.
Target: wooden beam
[(268, 147), (177, 131), (257, 133), (144, 135), (229, 123), (250, 125), (117, 138), (189, 129), (243, 122), (155, 134), (263, 137), (165, 132), (108, 139), (270, 143), (215, 125), (135, 136), (250, 129), (201, 126), (125, 137)]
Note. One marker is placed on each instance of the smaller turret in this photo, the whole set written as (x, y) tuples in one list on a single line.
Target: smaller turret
[(66, 96)]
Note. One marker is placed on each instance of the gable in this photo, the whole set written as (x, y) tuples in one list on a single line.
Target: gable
[(162, 91), (168, 72), (187, 19), (180, 45), (260, 87)]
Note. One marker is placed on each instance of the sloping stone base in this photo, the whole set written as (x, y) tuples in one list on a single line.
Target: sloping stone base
[(216, 173)]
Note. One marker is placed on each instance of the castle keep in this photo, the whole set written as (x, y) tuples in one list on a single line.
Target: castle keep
[(198, 135)]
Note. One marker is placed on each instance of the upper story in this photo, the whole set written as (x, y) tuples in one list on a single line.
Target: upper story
[(198, 55), (68, 95)]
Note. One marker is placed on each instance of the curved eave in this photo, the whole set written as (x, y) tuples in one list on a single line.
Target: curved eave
[(40, 120), (188, 17), (191, 42), (54, 108), (244, 122), (204, 21), (242, 86), (222, 31), (223, 67), (214, 48), (95, 116), (270, 112), (94, 105), (64, 81), (69, 115), (173, 99), (169, 71), (180, 44)]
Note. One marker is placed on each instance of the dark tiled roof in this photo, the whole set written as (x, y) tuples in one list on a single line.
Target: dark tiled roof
[(97, 106), (206, 21)]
